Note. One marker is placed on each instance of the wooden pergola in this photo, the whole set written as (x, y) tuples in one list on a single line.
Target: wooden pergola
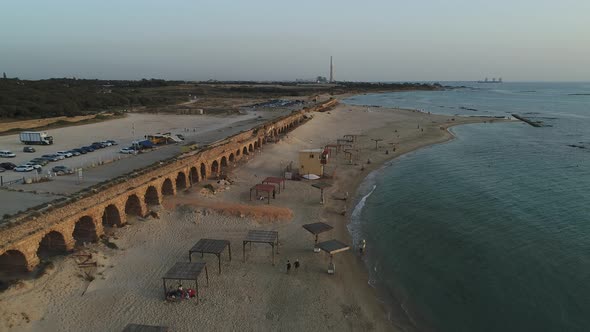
[(268, 188), (186, 271), (321, 186), (336, 147), (145, 328), (316, 229), (210, 246), (332, 247), (275, 180), (269, 237)]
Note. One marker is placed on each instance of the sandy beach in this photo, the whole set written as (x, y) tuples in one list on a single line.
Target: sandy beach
[(126, 286)]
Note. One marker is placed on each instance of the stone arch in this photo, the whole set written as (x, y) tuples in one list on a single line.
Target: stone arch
[(111, 216), (85, 231), (203, 171), (13, 261), (53, 243), (180, 181), (231, 158), (250, 147), (133, 206), (223, 163), (193, 175), (255, 144), (214, 167), (275, 132), (238, 152), (245, 150), (151, 196), (167, 188), (259, 142)]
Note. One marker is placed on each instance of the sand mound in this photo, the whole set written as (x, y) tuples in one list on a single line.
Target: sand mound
[(260, 214)]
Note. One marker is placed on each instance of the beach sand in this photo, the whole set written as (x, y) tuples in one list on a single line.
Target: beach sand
[(250, 296)]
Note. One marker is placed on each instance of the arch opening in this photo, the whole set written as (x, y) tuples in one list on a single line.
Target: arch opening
[(111, 216), (250, 148), (151, 196), (223, 163), (180, 181), (85, 231), (12, 261), (167, 188), (52, 244), (214, 168), (203, 171), (193, 176), (133, 206), (245, 150), (237, 152), (231, 158)]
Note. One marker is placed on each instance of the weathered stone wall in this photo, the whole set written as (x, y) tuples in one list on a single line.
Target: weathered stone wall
[(83, 217)]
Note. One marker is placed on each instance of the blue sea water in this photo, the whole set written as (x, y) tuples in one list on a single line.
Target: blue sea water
[(490, 231)]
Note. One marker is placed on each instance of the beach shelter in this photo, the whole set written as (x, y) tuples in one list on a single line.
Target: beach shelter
[(268, 237), (321, 186), (316, 229), (210, 246), (332, 247), (186, 271), (275, 180), (268, 188)]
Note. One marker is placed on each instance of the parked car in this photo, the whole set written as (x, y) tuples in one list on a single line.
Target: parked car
[(2, 170), (88, 148), (34, 165), (112, 142), (40, 161), (106, 143), (8, 166), (66, 154), (127, 150), (51, 157), (29, 149), (80, 151), (74, 153), (7, 154), (24, 168), (61, 170)]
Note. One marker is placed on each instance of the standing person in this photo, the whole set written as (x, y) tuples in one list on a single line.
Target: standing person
[(362, 246), (288, 266), (296, 265)]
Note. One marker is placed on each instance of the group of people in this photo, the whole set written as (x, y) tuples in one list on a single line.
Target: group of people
[(295, 265), (180, 293)]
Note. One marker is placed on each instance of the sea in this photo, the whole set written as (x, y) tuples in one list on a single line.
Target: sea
[(491, 230)]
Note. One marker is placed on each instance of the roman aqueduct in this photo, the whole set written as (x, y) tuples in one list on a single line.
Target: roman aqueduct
[(60, 226)]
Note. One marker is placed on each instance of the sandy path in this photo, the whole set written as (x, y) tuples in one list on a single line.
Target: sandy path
[(251, 296)]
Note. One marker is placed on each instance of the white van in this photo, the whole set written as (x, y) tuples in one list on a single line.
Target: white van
[(6, 154)]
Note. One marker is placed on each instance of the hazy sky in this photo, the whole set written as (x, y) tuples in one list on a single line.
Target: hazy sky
[(376, 40)]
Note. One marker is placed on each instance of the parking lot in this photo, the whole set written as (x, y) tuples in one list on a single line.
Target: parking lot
[(200, 129)]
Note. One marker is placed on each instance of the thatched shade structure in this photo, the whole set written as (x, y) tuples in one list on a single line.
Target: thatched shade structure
[(269, 237), (186, 271), (275, 180), (210, 246)]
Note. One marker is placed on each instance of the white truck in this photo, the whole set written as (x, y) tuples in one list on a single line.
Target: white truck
[(36, 137)]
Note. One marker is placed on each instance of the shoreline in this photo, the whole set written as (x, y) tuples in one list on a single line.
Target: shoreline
[(388, 302), (126, 285)]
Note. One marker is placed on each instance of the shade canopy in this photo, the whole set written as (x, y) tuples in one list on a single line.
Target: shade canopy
[(317, 228), (333, 246), (210, 246)]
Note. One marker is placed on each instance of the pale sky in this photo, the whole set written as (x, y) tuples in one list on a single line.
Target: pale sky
[(379, 40)]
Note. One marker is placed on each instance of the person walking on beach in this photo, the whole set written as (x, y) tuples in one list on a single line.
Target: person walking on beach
[(362, 246), (288, 266), (296, 265)]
